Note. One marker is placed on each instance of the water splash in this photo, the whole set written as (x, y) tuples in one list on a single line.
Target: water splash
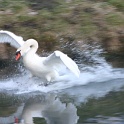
[(94, 68)]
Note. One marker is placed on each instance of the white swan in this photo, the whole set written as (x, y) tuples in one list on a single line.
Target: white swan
[(43, 67)]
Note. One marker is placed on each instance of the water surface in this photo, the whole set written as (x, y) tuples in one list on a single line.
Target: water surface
[(95, 97)]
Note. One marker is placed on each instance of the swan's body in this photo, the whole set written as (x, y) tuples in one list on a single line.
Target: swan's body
[(43, 67)]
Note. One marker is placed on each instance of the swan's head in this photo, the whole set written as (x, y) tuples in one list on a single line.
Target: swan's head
[(29, 45)]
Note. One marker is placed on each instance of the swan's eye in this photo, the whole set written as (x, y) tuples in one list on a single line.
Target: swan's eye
[(31, 46)]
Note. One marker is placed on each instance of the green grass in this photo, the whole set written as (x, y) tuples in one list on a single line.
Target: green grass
[(117, 3), (115, 19), (63, 19)]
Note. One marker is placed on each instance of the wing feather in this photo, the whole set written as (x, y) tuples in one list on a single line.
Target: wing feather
[(9, 37), (58, 58)]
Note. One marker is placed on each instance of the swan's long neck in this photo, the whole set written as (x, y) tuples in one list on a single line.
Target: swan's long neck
[(33, 46), (28, 51)]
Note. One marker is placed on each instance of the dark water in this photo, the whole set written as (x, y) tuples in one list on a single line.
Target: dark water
[(97, 103), (93, 103), (96, 97)]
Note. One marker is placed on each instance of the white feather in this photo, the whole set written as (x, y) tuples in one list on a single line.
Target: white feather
[(57, 58), (9, 37)]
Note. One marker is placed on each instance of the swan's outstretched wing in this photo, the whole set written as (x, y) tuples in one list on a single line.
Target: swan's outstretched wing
[(58, 58), (9, 37)]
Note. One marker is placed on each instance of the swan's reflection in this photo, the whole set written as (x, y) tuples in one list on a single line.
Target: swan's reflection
[(10, 119), (52, 109), (45, 106), (10, 107)]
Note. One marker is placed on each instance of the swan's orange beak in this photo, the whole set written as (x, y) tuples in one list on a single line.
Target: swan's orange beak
[(18, 55)]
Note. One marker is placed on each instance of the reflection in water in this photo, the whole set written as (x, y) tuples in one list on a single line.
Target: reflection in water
[(52, 109), (105, 109), (46, 106), (10, 107), (10, 118), (106, 120)]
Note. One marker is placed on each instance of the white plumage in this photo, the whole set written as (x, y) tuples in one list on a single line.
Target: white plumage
[(43, 67), (9, 37)]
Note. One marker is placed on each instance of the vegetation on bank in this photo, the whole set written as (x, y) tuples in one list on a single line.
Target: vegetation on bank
[(49, 21), (119, 4)]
